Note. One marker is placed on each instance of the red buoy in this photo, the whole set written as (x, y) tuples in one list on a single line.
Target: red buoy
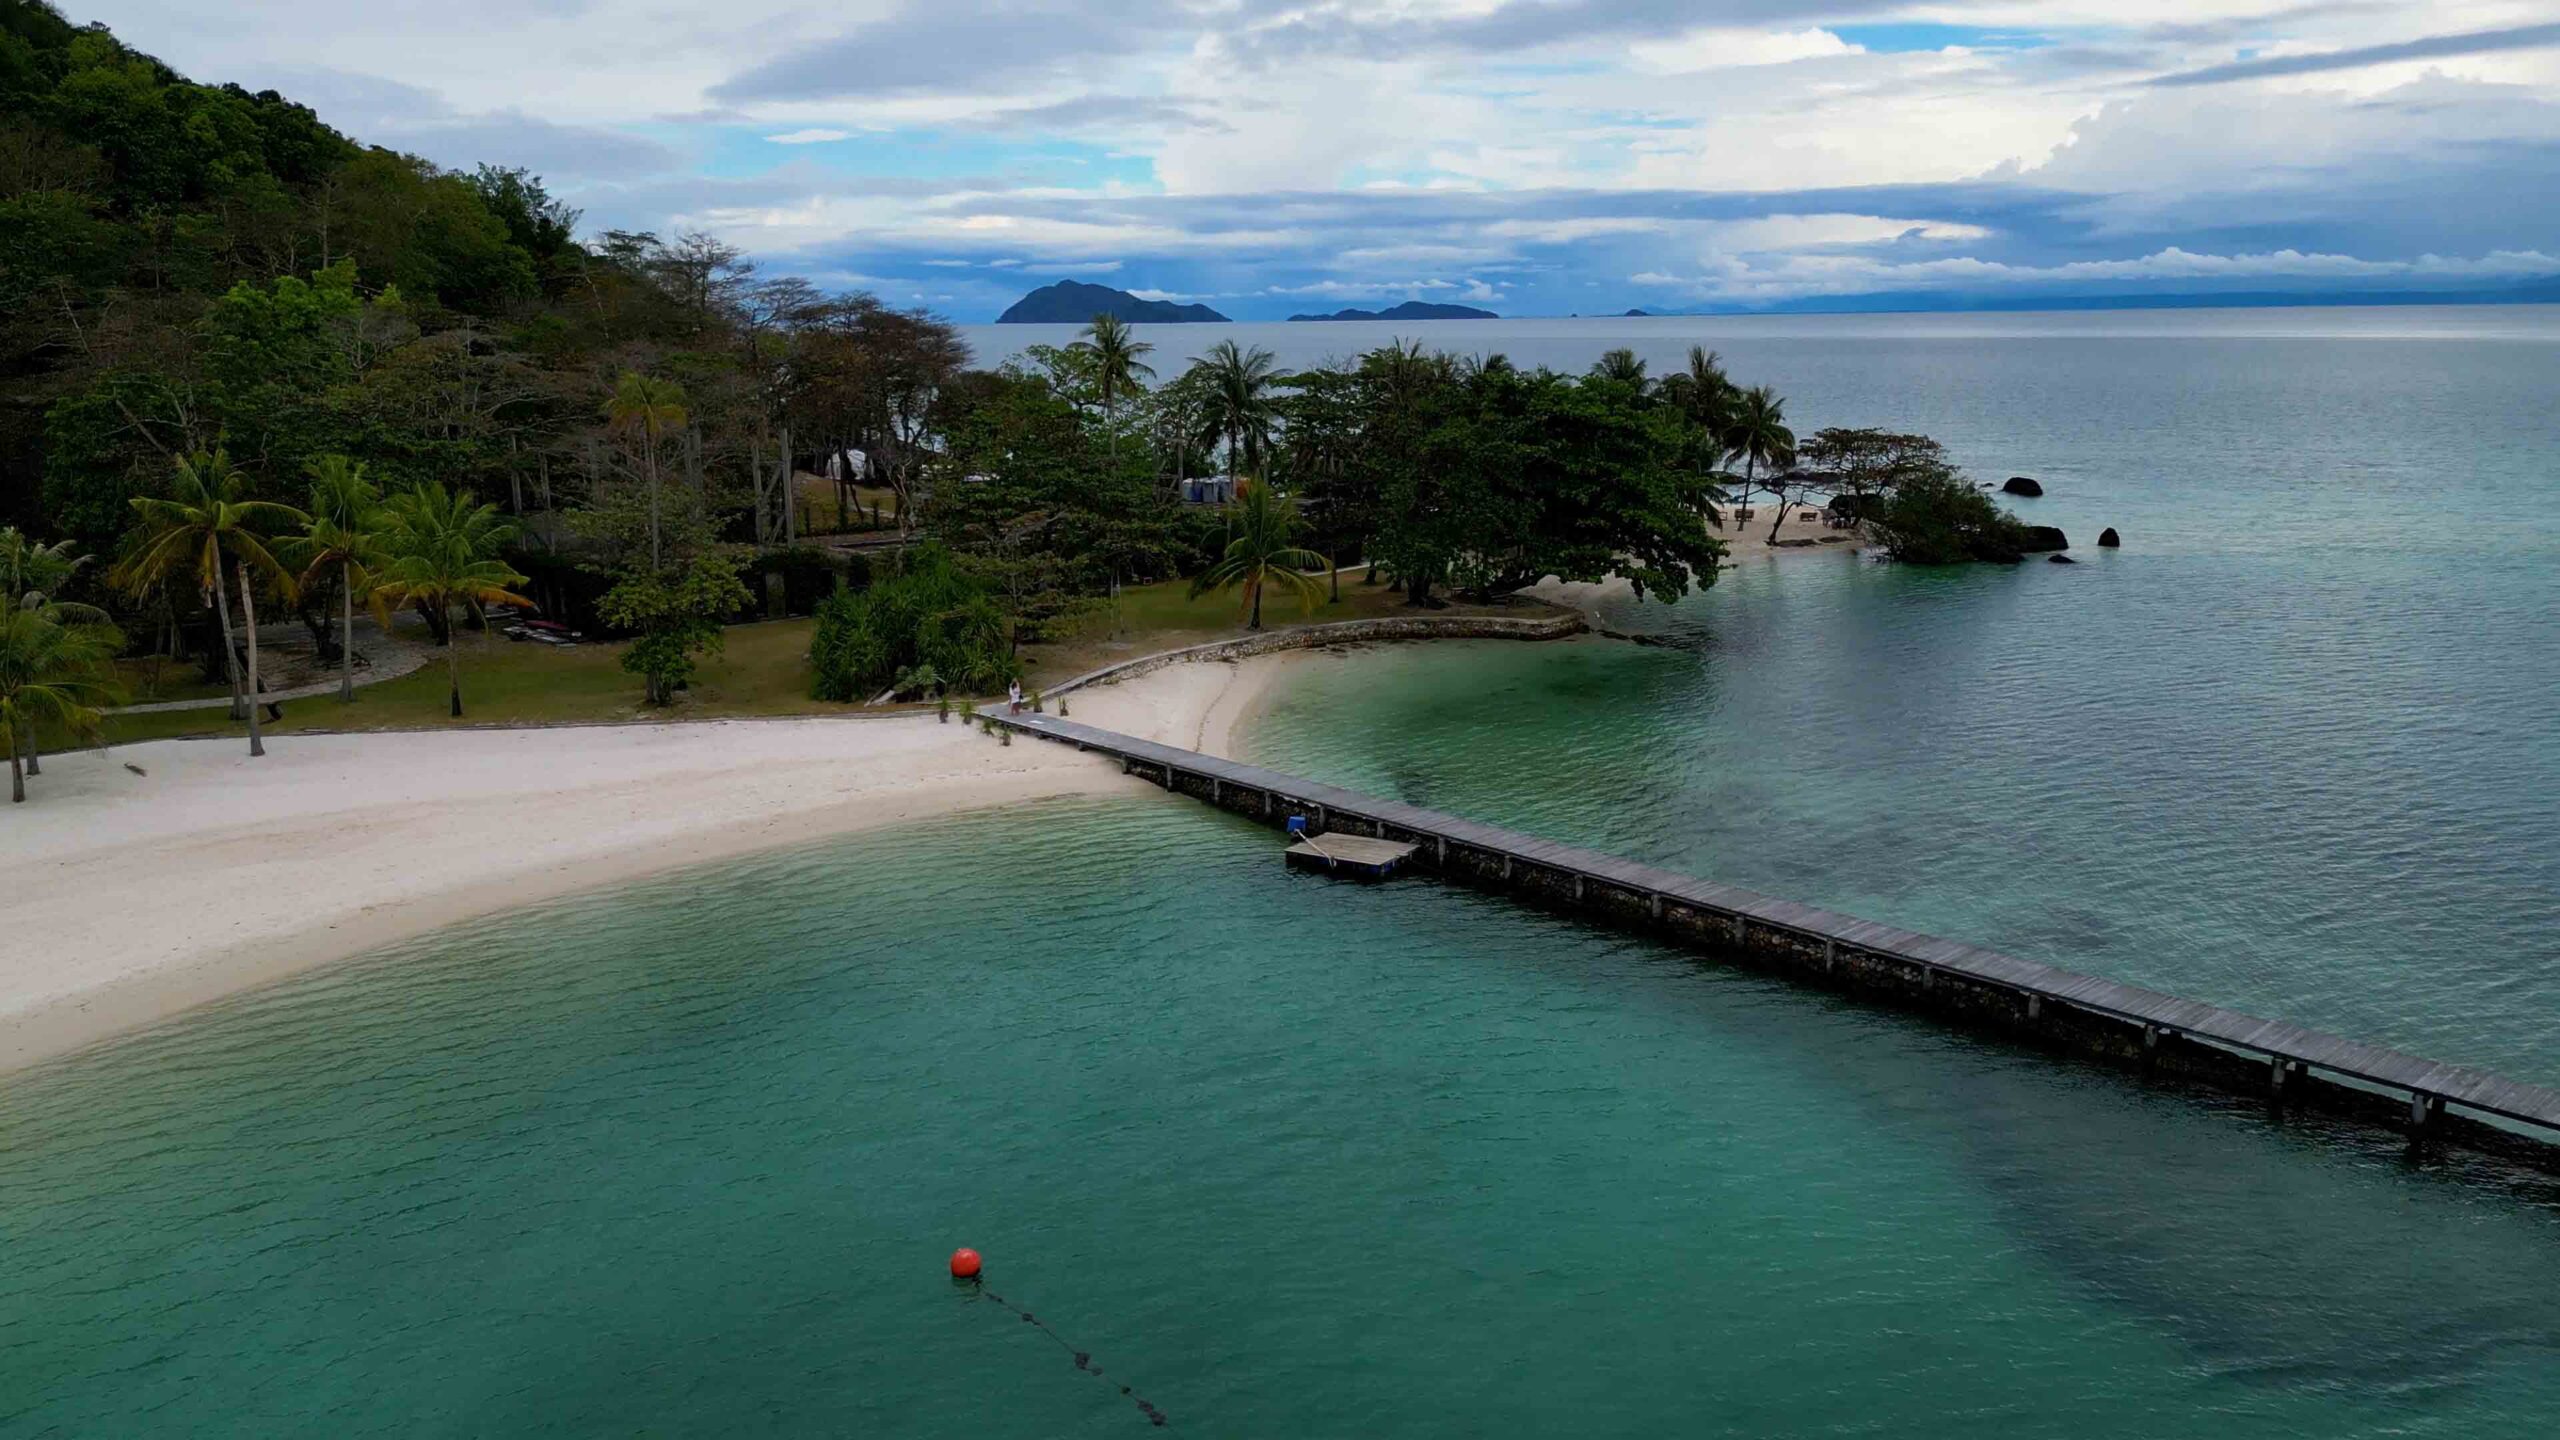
[(964, 1264)]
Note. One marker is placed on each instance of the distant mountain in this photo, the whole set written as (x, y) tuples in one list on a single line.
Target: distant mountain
[(1637, 315), (1072, 302), (1409, 310)]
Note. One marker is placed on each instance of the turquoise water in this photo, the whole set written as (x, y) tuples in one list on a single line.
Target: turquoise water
[(1306, 1159), (1294, 1158), (2294, 748)]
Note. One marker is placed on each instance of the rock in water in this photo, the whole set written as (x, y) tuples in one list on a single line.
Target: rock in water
[(2060, 560), (2045, 537), (2021, 485), (2107, 539)]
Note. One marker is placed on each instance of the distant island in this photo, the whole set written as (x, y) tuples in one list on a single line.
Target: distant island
[(1072, 302), (1638, 315), (1409, 310)]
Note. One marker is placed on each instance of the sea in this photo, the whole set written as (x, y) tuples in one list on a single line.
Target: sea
[(1279, 1156)]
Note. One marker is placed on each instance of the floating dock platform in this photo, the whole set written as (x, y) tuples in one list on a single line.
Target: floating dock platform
[(1361, 856)]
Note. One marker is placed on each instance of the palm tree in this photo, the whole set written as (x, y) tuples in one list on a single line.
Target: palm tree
[(54, 665), (445, 546), (29, 571), (207, 512), (1705, 398), (1758, 433), (1239, 409), (1117, 360), (344, 538), (1261, 554), (30, 574), (1623, 367), (652, 408)]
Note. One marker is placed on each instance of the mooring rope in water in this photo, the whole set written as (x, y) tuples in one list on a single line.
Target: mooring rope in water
[(1083, 1358)]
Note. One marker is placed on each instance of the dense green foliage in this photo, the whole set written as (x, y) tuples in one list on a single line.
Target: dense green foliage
[(928, 615), (635, 421), (1934, 516), (190, 268)]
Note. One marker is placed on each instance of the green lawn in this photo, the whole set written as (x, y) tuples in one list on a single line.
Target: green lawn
[(764, 671), (152, 678)]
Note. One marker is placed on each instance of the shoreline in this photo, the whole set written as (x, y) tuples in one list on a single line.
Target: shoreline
[(144, 897), (210, 875)]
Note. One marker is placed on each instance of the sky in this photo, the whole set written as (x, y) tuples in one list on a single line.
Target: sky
[(1532, 157)]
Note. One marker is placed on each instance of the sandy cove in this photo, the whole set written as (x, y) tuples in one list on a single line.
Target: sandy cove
[(130, 898)]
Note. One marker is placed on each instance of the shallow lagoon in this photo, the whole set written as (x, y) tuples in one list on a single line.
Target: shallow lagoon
[(1307, 1159)]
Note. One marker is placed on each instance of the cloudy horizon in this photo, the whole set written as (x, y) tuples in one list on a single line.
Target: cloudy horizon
[(1529, 156)]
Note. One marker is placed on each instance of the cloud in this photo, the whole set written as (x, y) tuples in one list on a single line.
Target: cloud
[(1268, 149), (406, 117), (2433, 47), (943, 47), (1700, 50)]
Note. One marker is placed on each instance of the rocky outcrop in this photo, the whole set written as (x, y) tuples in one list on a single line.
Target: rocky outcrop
[(2060, 560), (2040, 538), (2107, 539), (2021, 485)]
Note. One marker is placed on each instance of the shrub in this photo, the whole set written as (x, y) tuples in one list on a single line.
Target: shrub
[(926, 615), (1937, 517)]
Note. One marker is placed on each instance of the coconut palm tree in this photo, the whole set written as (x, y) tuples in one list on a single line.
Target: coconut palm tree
[(1260, 555), (1240, 411), (1758, 433), (1621, 366), (30, 576), (54, 665), (343, 540), (649, 408), (444, 546), (29, 571), (205, 526), (1705, 398), (1117, 360)]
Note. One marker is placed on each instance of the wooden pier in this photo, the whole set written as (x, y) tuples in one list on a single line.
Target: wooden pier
[(2289, 1064)]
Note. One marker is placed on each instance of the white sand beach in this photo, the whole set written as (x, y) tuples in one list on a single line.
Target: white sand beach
[(131, 897)]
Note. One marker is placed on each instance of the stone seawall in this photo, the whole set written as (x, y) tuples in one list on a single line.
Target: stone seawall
[(1312, 637)]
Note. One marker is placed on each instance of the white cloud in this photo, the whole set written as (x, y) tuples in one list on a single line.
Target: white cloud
[(1720, 49), (1354, 145)]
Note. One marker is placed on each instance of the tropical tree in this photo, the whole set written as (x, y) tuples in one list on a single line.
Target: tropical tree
[(1115, 362), (1757, 433), (343, 541), (1239, 411), (203, 530), (444, 546), (1703, 396), (31, 572), (54, 666), (1623, 367), (1260, 555), (674, 616), (647, 408)]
